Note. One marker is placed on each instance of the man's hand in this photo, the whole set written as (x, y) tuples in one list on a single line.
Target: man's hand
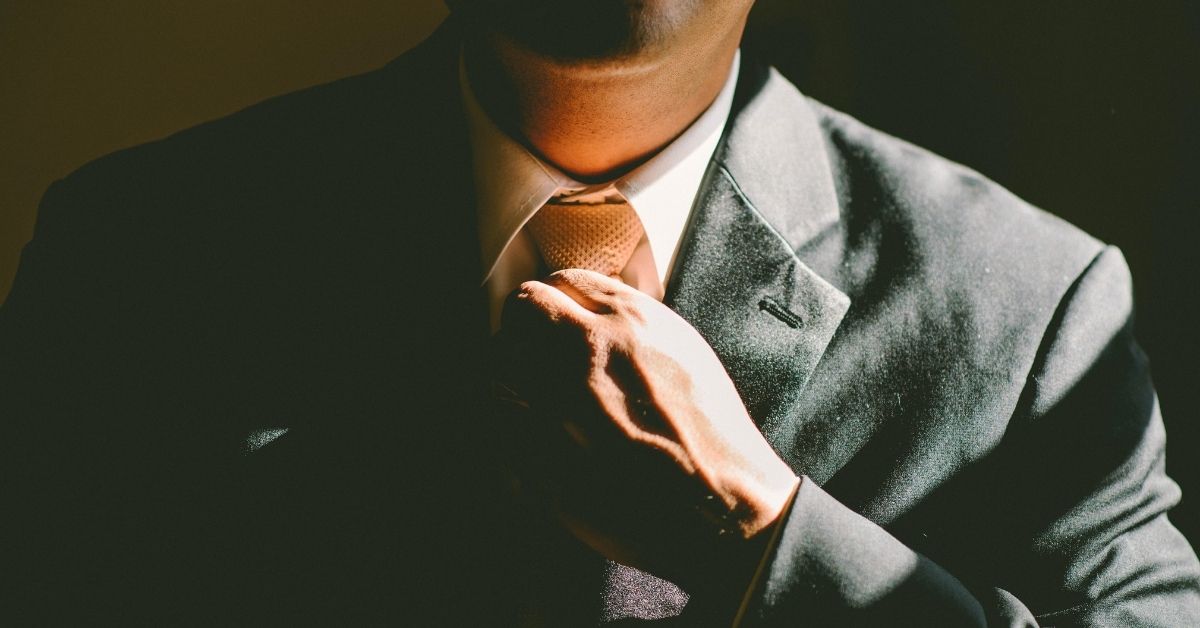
[(657, 463)]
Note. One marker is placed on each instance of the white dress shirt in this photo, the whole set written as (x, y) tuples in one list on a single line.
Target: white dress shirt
[(512, 184)]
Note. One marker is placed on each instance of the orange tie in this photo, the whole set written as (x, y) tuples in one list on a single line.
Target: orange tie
[(599, 237)]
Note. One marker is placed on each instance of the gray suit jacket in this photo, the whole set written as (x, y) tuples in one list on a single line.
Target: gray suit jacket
[(242, 369)]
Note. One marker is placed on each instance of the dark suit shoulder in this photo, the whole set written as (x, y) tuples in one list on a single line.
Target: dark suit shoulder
[(284, 187), (950, 206), (208, 251), (954, 282), (303, 139), (960, 244), (279, 138)]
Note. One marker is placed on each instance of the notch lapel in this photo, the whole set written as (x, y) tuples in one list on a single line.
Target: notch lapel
[(737, 280)]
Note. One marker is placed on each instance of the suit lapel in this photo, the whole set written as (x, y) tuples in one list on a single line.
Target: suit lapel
[(737, 279)]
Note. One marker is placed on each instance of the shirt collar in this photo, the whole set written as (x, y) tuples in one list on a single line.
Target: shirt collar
[(511, 183)]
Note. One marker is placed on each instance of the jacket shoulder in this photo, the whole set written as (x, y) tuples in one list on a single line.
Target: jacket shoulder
[(947, 227), (304, 138)]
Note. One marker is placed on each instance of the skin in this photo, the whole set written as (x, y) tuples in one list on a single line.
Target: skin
[(642, 423), (596, 88), (637, 441)]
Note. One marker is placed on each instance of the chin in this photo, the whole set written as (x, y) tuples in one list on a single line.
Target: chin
[(588, 31)]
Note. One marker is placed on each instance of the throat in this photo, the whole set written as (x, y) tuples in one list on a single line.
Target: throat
[(594, 123)]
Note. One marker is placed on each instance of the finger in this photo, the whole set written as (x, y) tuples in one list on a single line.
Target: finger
[(588, 288), (535, 299), (541, 349)]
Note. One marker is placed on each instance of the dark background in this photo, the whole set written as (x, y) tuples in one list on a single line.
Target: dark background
[(1088, 109)]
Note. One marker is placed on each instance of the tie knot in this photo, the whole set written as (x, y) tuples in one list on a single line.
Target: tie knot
[(599, 237)]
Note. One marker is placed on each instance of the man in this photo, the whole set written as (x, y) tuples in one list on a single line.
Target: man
[(573, 316)]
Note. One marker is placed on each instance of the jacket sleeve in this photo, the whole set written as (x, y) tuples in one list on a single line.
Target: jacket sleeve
[(53, 384), (82, 463), (1080, 518)]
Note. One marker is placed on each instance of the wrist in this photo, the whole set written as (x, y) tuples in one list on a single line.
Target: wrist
[(719, 587), (753, 499), (722, 593)]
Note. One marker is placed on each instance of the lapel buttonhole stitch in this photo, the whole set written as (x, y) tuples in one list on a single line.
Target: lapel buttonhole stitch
[(777, 309)]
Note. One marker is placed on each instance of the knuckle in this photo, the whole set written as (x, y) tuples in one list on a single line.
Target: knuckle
[(628, 311)]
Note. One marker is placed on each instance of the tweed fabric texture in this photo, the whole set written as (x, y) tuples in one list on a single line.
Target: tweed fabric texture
[(630, 593)]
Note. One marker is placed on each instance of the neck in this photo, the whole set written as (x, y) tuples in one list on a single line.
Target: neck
[(593, 120)]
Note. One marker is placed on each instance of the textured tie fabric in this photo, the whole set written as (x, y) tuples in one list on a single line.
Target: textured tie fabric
[(599, 237)]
